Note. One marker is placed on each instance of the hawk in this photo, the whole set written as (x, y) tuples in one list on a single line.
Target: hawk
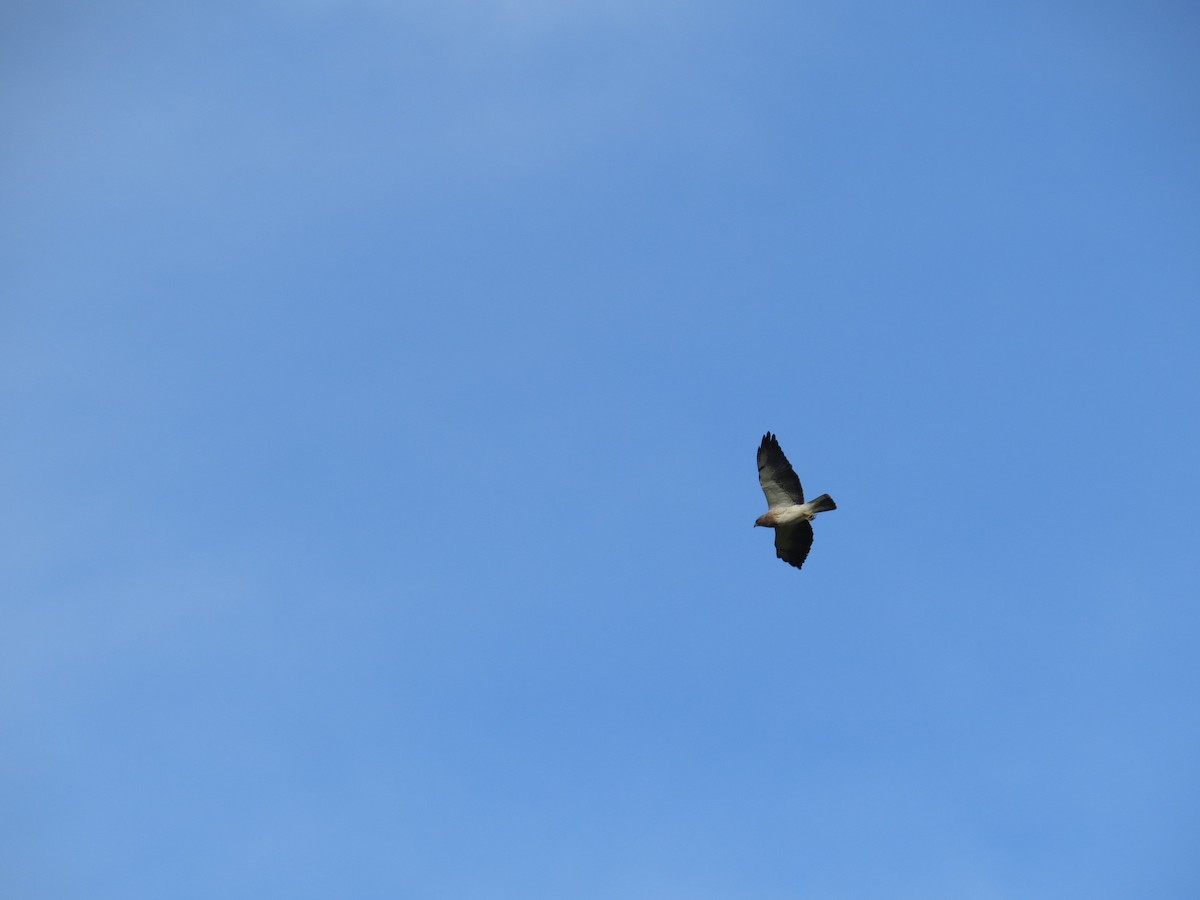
[(789, 515)]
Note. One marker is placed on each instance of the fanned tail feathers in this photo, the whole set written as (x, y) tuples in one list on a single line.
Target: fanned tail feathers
[(824, 503)]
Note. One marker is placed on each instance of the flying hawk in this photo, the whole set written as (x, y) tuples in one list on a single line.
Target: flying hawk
[(789, 515)]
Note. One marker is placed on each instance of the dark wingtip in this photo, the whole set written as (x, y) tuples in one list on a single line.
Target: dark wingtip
[(792, 562)]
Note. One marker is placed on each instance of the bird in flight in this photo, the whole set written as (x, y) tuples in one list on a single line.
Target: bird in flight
[(789, 515)]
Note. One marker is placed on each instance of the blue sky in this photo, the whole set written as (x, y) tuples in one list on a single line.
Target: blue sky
[(382, 383)]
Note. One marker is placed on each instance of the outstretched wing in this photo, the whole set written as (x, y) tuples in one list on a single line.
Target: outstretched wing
[(792, 543), (775, 474)]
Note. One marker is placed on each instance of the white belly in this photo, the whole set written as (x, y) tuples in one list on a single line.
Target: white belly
[(790, 514)]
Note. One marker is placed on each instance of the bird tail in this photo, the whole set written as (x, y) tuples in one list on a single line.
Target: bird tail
[(824, 503)]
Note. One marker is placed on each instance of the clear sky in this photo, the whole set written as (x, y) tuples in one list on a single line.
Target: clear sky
[(381, 383)]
